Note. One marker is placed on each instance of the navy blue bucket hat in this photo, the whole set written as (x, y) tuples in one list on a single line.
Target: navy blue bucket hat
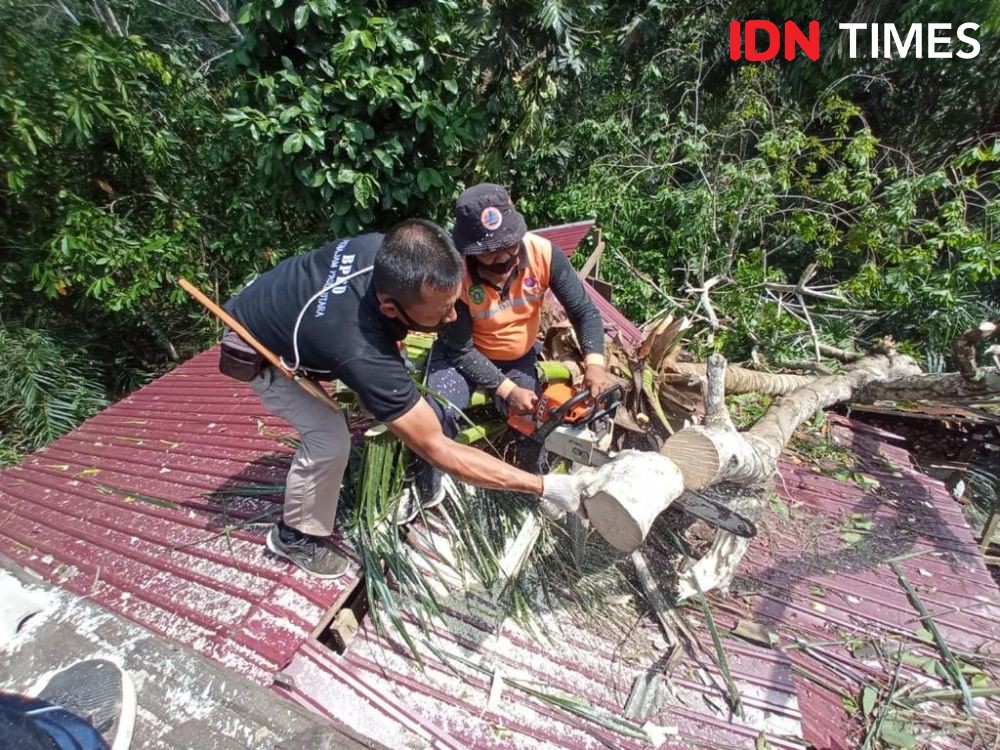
[(486, 220)]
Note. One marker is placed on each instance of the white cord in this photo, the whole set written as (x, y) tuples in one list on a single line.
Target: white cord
[(302, 312)]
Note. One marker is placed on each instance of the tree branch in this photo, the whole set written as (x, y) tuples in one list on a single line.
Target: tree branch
[(964, 348)]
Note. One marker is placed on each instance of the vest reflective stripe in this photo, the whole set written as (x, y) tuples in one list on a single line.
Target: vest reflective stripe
[(497, 309), (506, 329)]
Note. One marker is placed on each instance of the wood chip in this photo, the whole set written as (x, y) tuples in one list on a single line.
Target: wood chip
[(755, 633)]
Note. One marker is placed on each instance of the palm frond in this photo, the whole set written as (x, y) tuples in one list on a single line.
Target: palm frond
[(47, 385)]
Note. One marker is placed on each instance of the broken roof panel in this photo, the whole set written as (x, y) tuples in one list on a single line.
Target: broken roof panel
[(568, 237), (830, 600)]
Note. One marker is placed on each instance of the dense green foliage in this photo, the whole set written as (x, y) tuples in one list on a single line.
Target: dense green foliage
[(143, 141)]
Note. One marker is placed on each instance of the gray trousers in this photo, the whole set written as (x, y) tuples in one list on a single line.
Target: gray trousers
[(312, 490)]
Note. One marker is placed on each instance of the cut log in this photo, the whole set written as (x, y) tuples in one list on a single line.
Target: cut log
[(628, 493)]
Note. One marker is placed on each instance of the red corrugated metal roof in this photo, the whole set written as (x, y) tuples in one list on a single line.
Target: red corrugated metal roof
[(453, 696), (801, 580), (566, 237), (118, 510)]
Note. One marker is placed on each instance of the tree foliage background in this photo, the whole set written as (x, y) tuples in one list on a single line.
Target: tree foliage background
[(144, 140)]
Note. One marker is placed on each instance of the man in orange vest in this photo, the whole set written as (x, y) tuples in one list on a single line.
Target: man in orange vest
[(493, 342)]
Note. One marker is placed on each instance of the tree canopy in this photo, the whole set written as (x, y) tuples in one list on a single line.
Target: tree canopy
[(144, 140)]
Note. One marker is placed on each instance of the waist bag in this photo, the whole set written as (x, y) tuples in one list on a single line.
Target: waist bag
[(238, 359)]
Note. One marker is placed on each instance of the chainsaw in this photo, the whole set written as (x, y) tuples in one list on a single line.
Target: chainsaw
[(574, 425)]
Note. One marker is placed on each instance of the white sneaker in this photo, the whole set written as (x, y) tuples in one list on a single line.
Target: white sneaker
[(407, 508)]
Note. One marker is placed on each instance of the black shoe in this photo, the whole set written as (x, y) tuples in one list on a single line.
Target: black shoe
[(99, 692), (315, 555)]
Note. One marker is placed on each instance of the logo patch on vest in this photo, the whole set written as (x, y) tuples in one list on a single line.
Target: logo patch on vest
[(491, 218), (477, 294)]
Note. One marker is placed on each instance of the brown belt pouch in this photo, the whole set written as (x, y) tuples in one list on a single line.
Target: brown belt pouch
[(238, 359)]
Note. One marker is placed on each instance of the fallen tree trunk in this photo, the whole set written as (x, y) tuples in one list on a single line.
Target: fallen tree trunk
[(622, 502), (948, 386), (716, 452)]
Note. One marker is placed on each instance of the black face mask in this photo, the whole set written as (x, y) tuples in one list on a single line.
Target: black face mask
[(500, 268), (410, 323)]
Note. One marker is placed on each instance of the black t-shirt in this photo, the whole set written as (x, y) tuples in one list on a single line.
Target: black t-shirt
[(342, 335)]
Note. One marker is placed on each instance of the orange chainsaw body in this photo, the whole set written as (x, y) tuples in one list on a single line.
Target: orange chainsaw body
[(552, 398)]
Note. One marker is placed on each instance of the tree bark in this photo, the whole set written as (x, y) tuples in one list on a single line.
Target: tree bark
[(948, 386), (965, 348), (742, 380), (628, 493)]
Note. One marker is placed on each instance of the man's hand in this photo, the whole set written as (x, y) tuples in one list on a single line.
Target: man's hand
[(521, 400), (561, 493), (597, 380)]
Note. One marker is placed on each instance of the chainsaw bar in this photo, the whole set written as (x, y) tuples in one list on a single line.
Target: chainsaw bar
[(716, 513)]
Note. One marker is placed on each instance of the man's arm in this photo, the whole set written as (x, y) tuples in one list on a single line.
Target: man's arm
[(582, 313), (456, 341), (421, 431), (586, 320)]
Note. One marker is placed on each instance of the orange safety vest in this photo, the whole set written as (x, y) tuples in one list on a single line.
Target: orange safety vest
[(505, 329)]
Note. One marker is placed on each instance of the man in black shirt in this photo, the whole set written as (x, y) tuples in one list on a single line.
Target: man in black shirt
[(339, 313)]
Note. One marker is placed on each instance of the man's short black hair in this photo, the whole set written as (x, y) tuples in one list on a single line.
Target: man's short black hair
[(413, 253)]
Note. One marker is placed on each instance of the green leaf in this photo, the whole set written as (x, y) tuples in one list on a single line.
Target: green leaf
[(301, 16), (428, 178), (362, 191), (245, 15), (293, 143), (924, 635), (851, 537), (897, 734), (367, 40), (341, 206), (234, 115), (383, 158), (868, 697)]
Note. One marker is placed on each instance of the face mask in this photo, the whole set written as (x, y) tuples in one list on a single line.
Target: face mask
[(411, 324), (499, 268)]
